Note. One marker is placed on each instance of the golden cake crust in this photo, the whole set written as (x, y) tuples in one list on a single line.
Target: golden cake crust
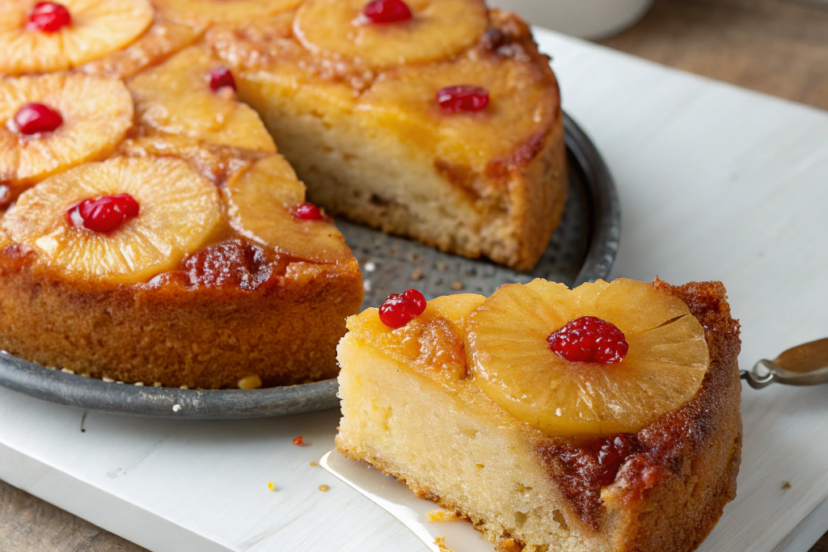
[(204, 328), (667, 499)]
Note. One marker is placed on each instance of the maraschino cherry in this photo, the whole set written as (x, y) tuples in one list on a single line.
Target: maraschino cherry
[(49, 17), (105, 214), (589, 339), (221, 77), (36, 118), (386, 11), (463, 97), (307, 211), (400, 309)]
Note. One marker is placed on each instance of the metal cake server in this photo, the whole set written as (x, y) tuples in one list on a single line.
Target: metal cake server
[(805, 364)]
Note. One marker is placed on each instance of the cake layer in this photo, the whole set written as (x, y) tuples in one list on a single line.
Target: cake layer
[(525, 489), (209, 326)]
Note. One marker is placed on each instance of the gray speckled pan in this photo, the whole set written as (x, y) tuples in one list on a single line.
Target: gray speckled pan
[(582, 249)]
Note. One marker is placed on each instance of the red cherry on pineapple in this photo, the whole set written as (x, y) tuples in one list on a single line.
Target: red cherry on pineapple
[(34, 118), (221, 77), (589, 339), (307, 211), (49, 17), (400, 309), (463, 97), (387, 11), (104, 214)]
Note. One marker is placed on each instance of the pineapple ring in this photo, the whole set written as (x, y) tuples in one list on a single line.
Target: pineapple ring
[(96, 111), (222, 11), (99, 27), (180, 213), (175, 98), (439, 29), (403, 100), (513, 365), (259, 200)]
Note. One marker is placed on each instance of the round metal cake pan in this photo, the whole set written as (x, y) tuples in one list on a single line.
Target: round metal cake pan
[(582, 249)]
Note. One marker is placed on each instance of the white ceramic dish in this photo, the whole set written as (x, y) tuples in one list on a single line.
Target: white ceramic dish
[(591, 19)]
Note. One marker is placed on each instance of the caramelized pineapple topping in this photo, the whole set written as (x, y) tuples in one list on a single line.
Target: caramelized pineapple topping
[(512, 362)]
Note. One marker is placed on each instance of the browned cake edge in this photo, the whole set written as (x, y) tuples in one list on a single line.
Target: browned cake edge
[(669, 504), (673, 504), (206, 337)]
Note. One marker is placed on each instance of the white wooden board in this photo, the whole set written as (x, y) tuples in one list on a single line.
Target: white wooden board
[(715, 183)]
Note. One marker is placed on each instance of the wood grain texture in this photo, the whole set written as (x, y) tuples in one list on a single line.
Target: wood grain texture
[(28, 524), (772, 46)]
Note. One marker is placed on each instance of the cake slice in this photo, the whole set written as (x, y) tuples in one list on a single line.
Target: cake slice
[(604, 418)]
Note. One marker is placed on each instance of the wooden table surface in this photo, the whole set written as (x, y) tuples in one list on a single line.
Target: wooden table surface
[(779, 47)]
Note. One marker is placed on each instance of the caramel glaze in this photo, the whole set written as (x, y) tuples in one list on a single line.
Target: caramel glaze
[(657, 451), (232, 263)]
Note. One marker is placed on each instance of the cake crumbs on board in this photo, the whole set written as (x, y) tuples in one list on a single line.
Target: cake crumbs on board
[(176, 407), (271, 487), (457, 286), (324, 488), (436, 516), (441, 544), (313, 464), (786, 485)]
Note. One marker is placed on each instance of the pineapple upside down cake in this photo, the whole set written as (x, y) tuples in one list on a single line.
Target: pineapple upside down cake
[(152, 232), (599, 419)]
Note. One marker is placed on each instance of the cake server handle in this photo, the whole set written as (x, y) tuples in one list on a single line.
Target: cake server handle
[(805, 364)]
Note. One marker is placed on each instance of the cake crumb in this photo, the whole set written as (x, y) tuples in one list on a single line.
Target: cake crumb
[(271, 487), (313, 464), (366, 285), (370, 267), (184, 387), (441, 266), (176, 407), (67, 371), (138, 384), (437, 516), (107, 380), (786, 485), (324, 488), (457, 286), (250, 382), (157, 384), (417, 274), (441, 544)]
